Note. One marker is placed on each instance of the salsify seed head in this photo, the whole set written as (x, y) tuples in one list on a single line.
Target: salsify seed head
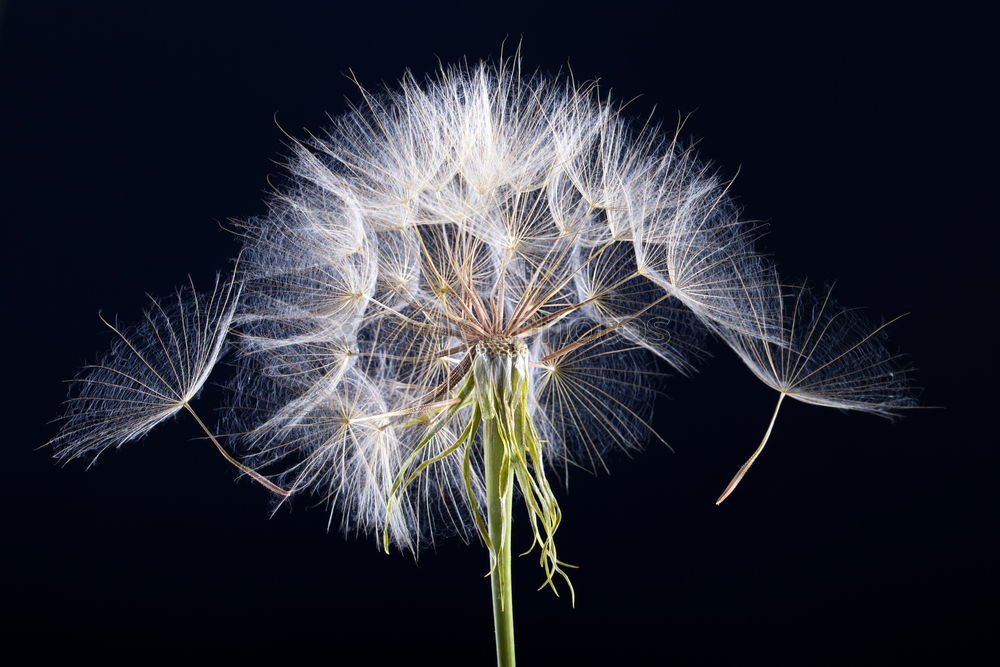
[(438, 221), (491, 215)]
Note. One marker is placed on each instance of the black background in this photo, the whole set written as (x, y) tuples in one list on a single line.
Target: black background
[(131, 132)]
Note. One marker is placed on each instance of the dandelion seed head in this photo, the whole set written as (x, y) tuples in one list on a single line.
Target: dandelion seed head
[(486, 247), (438, 221), (427, 224)]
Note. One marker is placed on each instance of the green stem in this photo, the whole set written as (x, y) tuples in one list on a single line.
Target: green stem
[(498, 512)]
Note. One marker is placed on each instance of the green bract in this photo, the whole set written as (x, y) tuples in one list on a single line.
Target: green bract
[(496, 389)]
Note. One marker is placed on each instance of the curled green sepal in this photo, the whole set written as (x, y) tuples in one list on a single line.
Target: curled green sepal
[(496, 390)]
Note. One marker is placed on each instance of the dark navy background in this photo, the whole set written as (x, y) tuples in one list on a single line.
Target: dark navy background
[(129, 133)]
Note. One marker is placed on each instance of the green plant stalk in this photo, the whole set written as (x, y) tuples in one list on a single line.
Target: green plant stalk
[(496, 389), (498, 511)]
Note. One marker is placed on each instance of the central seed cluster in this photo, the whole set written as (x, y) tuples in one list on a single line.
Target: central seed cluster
[(502, 346)]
